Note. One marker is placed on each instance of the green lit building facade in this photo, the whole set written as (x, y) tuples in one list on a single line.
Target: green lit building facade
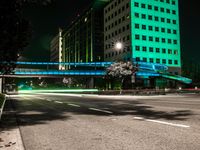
[(83, 39), (148, 29)]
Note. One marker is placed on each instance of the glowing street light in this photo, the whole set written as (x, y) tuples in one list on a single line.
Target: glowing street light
[(118, 45)]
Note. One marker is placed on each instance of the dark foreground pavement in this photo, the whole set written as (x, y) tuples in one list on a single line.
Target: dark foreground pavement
[(82, 122)]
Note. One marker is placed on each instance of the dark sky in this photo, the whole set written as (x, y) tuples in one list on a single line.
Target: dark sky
[(46, 20)]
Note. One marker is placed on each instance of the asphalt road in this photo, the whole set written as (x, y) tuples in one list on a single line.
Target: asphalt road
[(83, 122)]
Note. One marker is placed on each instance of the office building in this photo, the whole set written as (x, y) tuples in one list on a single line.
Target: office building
[(83, 39), (147, 29)]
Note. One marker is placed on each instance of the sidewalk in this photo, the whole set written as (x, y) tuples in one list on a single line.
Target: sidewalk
[(10, 137)]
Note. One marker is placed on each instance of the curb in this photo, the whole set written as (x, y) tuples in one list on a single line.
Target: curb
[(1, 109)]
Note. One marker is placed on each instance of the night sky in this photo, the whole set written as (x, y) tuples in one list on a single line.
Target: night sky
[(45, 21)]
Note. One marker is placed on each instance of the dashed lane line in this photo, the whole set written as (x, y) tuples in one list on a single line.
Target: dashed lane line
[(162, 122), (74, 105), (58, 102), (99, 110)]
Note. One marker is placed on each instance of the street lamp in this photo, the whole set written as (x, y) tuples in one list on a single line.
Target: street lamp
[(118, 45)]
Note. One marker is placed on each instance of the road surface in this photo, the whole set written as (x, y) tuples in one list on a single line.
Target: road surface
[(92, 122)]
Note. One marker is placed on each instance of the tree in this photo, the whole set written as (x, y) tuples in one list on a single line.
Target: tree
[(15, 32), (121, 70)]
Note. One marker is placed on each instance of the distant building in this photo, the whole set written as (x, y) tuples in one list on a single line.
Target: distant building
[(83, 39), (147, 29), (56, 48)]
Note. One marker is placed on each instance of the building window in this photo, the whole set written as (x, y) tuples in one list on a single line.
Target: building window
[(150, 17), (143, 16), (169, 41), (174, 21), (157, 29), (137, 15), (162, 19), (162, 9), (173, 2), (145, 59), (157, 39), (175, 52), (156, 18), (168, 21), (163, 40), (164, 61), (175, 41), (157, 50), (164, 50), (169, 31), (163, 30), (169, 51), (168, 11), (157, 60), (174, 32), (144, 27), (150, 49), (137, 26), (150, 7), (167, 1), (174, 12), (127, 26), (144, 48), (176, 62), (169, 61), (137, 48), (155, 8), (136, 4), (143, 5), (144, 38), (137, 36), (150, 38), (151, 60), (150, 28)]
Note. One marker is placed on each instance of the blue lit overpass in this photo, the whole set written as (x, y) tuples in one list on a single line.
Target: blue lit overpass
[(146, 70)]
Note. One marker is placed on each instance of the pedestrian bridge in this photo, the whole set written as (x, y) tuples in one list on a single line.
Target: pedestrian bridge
[(145, 70)]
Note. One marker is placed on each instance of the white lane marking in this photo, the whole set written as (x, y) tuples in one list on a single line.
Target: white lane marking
[(105, 111), (58, 102), (74, 105), (48, 100), (162, 122)]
